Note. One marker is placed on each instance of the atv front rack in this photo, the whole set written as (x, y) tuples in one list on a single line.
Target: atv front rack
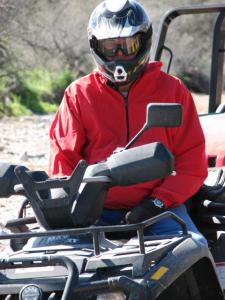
[(95, 231), (72, 283)]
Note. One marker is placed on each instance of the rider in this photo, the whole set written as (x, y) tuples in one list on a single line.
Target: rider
[(105, 109)]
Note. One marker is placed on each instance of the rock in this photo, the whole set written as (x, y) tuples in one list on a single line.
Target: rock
[(24, 156)]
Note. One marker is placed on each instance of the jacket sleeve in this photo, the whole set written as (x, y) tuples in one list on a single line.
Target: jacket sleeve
[(66, 136), (190, 157)]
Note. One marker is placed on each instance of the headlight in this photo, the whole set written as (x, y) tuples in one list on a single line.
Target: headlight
[(112, 296), (31, 292)]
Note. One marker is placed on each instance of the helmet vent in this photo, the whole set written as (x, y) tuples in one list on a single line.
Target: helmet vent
[(120, 74)]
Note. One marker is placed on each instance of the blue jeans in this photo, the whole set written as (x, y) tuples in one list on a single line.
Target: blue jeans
[(165, 227)]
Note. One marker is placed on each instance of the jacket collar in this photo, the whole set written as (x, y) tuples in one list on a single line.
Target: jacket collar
[(147, 80)]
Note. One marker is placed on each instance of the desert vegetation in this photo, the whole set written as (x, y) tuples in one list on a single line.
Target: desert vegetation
[(44, 46)]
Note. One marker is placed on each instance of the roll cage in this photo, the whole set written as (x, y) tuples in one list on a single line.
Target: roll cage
[(218, 45)]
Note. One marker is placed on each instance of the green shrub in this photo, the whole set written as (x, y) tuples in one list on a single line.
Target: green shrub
[(60, 82), (13, 107), (3, 98), (195, 80), (16, 108), (3, 88), (33, 91), (35, 88)]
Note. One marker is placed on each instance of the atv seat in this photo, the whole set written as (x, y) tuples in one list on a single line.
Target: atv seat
[(207, 206)]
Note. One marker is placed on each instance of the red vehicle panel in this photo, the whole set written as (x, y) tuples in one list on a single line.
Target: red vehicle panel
[(214, 129)]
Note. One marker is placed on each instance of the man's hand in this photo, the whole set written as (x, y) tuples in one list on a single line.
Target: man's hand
[(146, 210)]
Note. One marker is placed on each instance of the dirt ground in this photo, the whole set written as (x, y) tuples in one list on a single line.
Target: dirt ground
[(23, 141), (201, 102)]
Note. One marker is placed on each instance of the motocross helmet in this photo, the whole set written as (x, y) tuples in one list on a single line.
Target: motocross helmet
[(124, 25)]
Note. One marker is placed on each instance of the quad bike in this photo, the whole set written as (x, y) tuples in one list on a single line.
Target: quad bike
[(56, 257), (65, 260)]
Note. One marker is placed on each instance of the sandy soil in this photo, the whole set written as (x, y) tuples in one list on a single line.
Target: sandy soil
[(201, 102), (23, 141)]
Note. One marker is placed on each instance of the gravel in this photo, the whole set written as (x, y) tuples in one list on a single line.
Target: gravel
[(23, 141)]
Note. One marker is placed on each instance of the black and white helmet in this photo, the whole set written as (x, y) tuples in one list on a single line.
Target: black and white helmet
[(125, 20)]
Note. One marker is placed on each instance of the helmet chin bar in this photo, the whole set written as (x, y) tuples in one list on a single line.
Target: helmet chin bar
[(120, 74)]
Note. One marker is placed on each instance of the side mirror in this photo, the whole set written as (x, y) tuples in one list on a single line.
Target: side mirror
[(163, 115), (160, 115)]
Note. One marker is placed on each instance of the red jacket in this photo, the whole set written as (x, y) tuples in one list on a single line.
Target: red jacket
[(93, 120)]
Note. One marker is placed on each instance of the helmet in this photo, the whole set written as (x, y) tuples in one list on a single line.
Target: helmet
[(127, 23)]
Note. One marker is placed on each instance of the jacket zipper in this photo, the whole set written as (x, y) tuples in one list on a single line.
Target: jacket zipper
[(127, 118)]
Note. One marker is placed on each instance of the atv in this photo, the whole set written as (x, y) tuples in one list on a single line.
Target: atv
[(59, 251)]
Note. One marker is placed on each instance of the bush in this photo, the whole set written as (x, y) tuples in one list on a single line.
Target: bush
[(60, 82), (33, 91), (36, 89), (195, 80), (16, 108)]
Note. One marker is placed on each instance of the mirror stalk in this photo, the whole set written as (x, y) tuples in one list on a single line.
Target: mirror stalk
[(145, 127)]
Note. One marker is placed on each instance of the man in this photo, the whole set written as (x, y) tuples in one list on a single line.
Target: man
[(105, 109)]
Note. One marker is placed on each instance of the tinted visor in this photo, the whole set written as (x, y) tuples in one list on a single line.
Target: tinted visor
[(128, 45)]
